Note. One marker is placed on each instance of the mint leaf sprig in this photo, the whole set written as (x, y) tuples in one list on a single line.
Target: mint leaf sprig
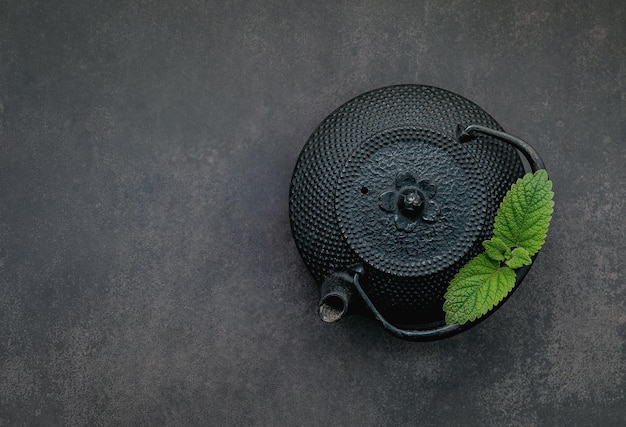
[(519, 231)]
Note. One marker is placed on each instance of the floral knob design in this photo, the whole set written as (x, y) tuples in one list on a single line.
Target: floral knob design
[(410, 201)]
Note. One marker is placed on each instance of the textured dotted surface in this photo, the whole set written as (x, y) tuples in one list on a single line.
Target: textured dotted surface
[(460, 196), (406, 285)]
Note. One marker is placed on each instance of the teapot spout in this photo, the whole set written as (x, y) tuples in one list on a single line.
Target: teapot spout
[(335, 297)]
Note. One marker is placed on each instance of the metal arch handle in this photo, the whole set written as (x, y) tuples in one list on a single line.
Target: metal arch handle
[(409, 334), (436, 332), (529, 152)]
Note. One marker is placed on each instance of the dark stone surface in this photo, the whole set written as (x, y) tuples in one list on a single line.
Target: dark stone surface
[(147, 271)]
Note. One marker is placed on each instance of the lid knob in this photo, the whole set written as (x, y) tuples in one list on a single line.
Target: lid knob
[(411, 201)]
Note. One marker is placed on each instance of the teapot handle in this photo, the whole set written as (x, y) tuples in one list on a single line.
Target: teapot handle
[(409, 334), (435, 331), (444, 330), (529, 152)]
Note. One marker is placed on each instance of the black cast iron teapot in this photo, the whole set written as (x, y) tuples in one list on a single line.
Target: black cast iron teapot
[(392, 194)]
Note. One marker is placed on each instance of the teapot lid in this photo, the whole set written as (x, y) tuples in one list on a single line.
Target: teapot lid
[(410, 201)]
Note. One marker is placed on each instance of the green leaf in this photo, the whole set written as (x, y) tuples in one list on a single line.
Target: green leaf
[(520, 229), (476, 289), (496, 249), (519, 258), (524, 215)]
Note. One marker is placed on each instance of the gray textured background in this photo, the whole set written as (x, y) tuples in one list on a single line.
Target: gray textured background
[(147, 271)]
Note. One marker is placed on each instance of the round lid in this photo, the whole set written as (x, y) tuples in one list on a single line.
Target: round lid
[(410, 201)]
